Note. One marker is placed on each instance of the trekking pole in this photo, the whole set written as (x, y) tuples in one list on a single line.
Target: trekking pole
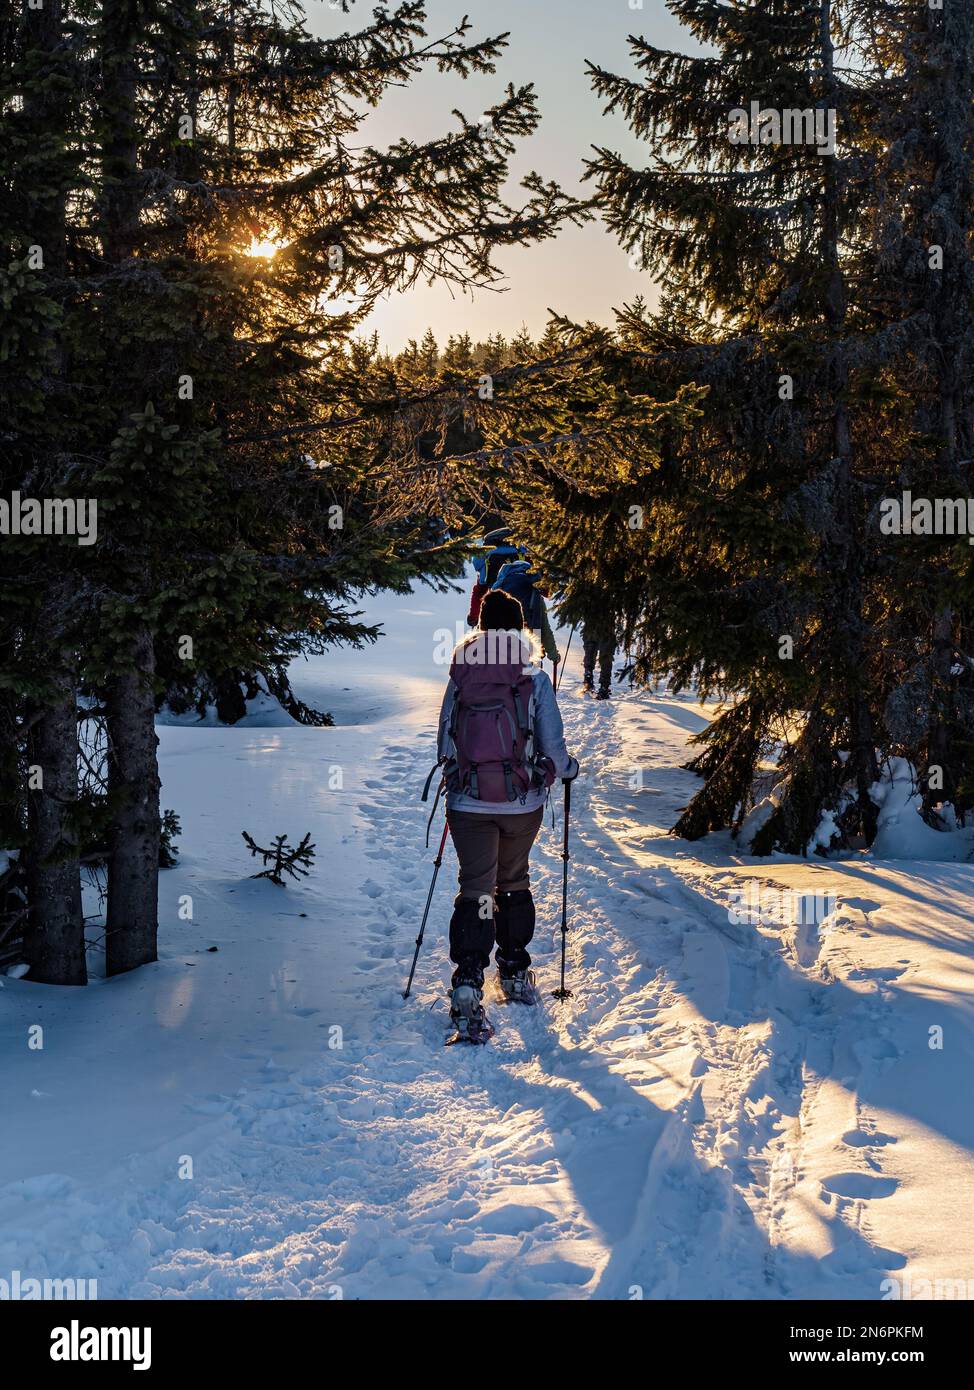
[(564, 660), (419, 940), (562, 992)]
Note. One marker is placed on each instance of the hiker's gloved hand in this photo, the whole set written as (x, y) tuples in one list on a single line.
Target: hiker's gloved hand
[(572, 772)]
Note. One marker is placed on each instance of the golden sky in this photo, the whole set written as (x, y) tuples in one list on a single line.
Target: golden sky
[(583, 272)]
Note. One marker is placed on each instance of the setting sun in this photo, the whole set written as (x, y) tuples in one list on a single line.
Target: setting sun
[(263, 247)]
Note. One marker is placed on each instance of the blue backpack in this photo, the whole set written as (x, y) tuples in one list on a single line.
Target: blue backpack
[(489, 564), (518, 580)]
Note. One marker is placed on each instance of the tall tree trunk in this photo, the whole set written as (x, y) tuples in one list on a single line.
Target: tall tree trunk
[(133, 786), (133, 772), (13, 799), (951, 54), (120, 200), (54, 937), (54, 944), (848, 552)]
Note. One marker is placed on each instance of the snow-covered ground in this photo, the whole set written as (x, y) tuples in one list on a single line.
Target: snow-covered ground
[(735, 1103)]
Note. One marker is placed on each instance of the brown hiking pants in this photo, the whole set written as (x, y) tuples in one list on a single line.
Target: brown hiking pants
[(493, 850)]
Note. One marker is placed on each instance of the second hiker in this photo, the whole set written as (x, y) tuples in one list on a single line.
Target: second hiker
[(507, 567)]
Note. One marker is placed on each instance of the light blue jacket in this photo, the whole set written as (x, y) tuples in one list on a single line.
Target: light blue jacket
[(549, 739)]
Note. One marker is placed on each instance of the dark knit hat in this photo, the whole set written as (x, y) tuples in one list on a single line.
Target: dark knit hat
[(500, 610)]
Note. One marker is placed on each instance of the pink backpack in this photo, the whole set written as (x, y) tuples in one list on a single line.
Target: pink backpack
[(492, 727)]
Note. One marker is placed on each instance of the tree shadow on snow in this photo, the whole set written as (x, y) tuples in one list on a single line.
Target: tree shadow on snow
[(675, 1228)]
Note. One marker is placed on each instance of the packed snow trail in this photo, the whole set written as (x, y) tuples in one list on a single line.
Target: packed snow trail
[(721, 1110)]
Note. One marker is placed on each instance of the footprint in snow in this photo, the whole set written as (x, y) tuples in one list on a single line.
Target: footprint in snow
[(860, 1185), (878, 972), (377, 929), (513, 1220), (859, 1138), (559, 1272), (466, 1262), (878, 1051)]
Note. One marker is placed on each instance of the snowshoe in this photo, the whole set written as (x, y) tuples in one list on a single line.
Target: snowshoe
[(602, 694), (517, 987), (467, 1016)]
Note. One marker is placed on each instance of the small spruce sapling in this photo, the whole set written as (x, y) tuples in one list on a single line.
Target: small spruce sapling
[(282, 858), (169, 829)]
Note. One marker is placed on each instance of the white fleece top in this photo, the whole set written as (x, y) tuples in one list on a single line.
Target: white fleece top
[(549, 739)]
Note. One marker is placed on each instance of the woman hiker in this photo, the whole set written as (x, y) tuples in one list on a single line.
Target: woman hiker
[(501, 744)]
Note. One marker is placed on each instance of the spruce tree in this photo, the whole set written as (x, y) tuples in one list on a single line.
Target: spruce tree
[(792, 276), (919, 269), (40, 603)]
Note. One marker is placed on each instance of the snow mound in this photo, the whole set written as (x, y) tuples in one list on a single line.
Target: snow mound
[(902, 831), (264, 711)]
